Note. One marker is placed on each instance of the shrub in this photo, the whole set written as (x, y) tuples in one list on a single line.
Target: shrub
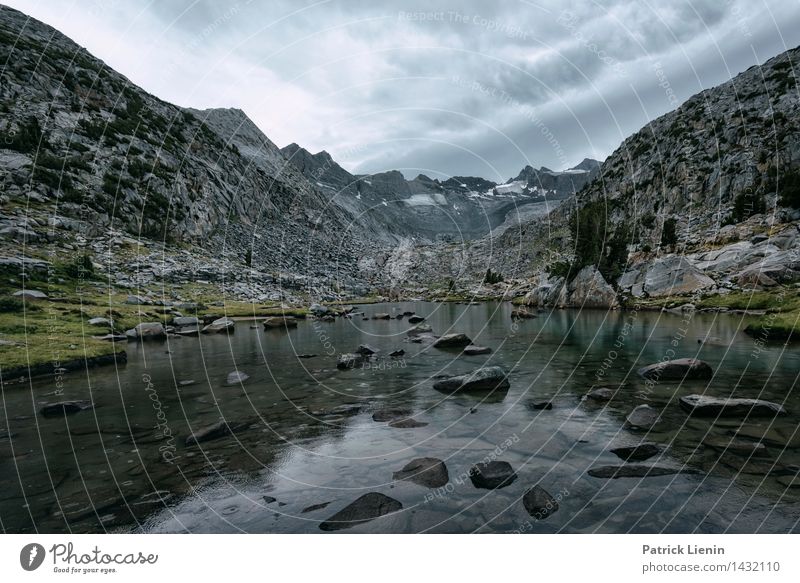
[(669, 234), (790, 189), (80, 268), (28, 137), (492, 277)]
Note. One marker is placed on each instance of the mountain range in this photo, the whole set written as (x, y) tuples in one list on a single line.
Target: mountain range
[(703, 198)]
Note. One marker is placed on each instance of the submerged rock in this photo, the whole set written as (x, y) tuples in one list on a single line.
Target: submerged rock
[(280, 322), (703, 406), (236, 377), (314, 507), (540, 406), (473, 350), (426, 471), (492, 475), (363, 509), (407, 424), (637, 453), (488, 378), (65, 408), (642, 417), (452, 341), (522, 314), (219, 429), (678, 369), (365, 350), (385, 415), (734, 445), (415, 319), (636, 471), (382, 316), (349, 360), (539, 503)]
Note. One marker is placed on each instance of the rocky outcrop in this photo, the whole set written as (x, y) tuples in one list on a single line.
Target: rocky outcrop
[(590, 290)]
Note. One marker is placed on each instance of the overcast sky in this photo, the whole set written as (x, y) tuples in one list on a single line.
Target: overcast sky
[(434, 86)]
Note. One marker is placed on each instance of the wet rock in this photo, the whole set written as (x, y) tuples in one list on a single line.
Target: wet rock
[(349, 360), (188, 331), (488, 378), (414, 319), (382, 316), (147, 331), (269, 499), (703, 406), (365, 350), (492, 475), (540, 406), (220, 326), (637, 453), (65, 408), (539, 503), (679, 369), (419, 330), (601, 394), (407, 424), (314, 507), (385, 415), (236, 377), (429, 472), (522, 314), (187, 382), (304, 356), (366, 508), (280, 322), (642, 417), (734, 445), (473, 350), (452, 341), (319, 310), (637, 471), (397, 353)]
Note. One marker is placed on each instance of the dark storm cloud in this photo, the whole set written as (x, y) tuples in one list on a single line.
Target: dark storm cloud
[(441, 87)]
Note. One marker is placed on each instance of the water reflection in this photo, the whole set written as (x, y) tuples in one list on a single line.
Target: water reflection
[(305, 436)]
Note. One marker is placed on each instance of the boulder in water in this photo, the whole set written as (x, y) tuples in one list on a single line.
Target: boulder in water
[(492, 475), (426, 471), (367, 507)]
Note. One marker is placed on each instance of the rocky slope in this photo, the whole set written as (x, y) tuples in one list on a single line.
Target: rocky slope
[(87, 154), (426, 209), (702, 200)]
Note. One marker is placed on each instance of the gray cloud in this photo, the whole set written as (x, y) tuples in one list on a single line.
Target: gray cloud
[(444, 87)]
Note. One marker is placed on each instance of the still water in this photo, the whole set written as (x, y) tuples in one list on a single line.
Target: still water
[(113, 468)]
